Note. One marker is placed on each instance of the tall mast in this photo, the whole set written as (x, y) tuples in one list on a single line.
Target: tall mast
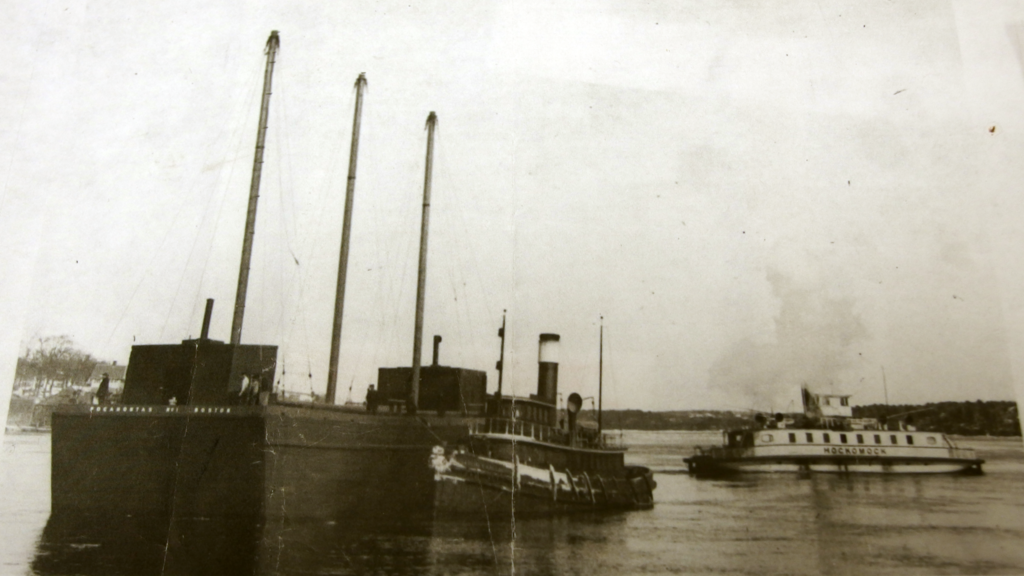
[(600, 377), (273, 43), (346, 232), (421, 283), (501, 358)]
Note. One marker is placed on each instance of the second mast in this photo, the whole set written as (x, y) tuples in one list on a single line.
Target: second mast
[(421, 283)]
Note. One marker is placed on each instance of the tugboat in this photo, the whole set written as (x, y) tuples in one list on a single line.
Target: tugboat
[(827, 438), (523, 459)]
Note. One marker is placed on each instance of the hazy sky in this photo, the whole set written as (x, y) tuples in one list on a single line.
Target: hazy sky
[(755, 195)]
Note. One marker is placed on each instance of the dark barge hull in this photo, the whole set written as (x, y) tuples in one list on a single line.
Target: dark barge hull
[(244, 461)]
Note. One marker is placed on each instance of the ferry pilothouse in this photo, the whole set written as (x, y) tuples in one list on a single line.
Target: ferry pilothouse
[(827, 438)]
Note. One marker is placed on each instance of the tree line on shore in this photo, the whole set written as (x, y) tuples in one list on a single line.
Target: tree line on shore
[(52, 365), (992, 418), (989, 418)]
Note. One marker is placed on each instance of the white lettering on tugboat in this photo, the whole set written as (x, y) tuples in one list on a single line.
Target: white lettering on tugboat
[(855, 451)]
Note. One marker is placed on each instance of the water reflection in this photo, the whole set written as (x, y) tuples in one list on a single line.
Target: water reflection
[(104, 545), (756, 524), (91, 545)]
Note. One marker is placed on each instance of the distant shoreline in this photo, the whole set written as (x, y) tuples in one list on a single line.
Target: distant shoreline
[(978, 418)]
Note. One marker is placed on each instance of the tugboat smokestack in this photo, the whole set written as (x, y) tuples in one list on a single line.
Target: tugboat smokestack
[(547, 371), (437, 345)]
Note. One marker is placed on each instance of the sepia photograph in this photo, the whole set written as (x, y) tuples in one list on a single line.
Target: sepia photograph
[(512, 287)]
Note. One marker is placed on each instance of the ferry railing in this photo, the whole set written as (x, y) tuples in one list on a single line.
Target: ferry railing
[(962, 453)]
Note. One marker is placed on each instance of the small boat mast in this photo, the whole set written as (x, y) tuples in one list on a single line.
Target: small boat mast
[(600, 377), (273, 43), (501, 357)]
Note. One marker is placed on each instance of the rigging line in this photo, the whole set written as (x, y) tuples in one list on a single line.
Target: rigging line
[(147, 269), (463, 308), (385, 279), (286, 130), (308, 254), (388, 253), (238, 136), (235, 134), (205, 213), (281, 138), (325, 185), (288, 287), (459, 220), (459, 320), (354, 366), (398, 259), (284, 144), (188, 262), (460, 215), (266, 273)]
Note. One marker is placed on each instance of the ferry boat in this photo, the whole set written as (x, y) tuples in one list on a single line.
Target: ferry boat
[(524, 458), (827, 438)]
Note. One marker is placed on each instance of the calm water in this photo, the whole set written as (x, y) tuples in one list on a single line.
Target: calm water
[(758, 525)]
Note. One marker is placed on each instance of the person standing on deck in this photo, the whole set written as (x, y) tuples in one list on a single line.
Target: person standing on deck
[(103, 392), (371, 400)]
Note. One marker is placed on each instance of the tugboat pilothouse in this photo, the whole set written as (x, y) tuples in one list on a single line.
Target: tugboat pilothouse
[(827, 438)]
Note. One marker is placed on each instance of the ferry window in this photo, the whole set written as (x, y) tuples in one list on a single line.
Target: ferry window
[(844, 401), (878, 439), (842, 438), (931, 440), (792, 438), (893, 439), (860, 438), (810, 437), (826, 438), (828, 402), (766, 438), (910, 439)]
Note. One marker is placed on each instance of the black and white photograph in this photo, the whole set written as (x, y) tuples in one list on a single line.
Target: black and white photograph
[(511, 287)]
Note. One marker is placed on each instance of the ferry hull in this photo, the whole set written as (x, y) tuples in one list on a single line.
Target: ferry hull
[(845, 450), (262, 462), (711, 466)]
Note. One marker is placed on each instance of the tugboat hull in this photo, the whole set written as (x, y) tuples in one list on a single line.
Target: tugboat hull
[(469, 484)]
